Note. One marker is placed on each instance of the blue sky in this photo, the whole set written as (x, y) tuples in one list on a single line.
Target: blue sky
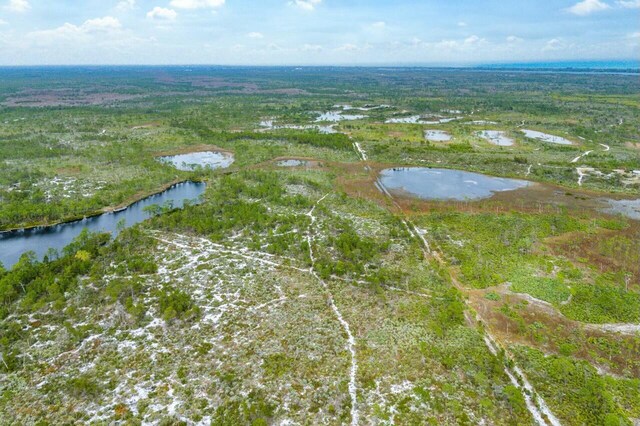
[(309, 32)]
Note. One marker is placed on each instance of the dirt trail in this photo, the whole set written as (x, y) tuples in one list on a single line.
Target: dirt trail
[(536, 405), (351, 341), (575, 160)]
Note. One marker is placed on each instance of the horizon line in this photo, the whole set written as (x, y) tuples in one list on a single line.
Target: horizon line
[(540, 64)]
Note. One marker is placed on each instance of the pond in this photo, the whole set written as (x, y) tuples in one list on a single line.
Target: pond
[(293, 163), (39, 240), (417, 119), (414, 119), (325, 130), (496, 137), (544, 137), (335, 116), (437, 135), (348, 107), (480, 122), (192, 161), (445, 184), (628, 208)]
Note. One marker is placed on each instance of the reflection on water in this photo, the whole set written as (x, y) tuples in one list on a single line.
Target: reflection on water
[(39, 240), (628, 208), (292, 163), (445, 184), (496, 137), (335, 116), (544, 137), (193, 160), (437, 136)]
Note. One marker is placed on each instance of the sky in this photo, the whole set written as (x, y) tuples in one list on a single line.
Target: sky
[(316, 32)]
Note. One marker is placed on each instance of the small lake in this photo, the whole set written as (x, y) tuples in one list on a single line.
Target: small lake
[(544, 137), (445, 184), (15, 243), (437, 136), (194, 160), (496, 137)]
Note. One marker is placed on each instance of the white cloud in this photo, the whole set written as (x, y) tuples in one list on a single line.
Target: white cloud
[(514, 39), (305, 4), (162, 14), (629, 4), (462, 24), (311, 48), (349, 47), (255, 35), (3, 22), (634, 35), (18, 6), (197, 4), (71, 32), (380, 25), (587, 7), (126, 5), (274, 47), (553, 45), (470, 44), (101, 24), (472, 39)]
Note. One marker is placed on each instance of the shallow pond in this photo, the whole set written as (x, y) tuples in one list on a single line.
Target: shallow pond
[(445, 184), (628, 208), (480, 122), (417, 119), (414, 119), (496, 137), (194, 160), (437, 136), (325, 130), (293, 163), (14, 243), (348, 107), (544, 137), (335, 116)]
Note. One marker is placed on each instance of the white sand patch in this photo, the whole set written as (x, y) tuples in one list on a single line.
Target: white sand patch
[(351, 341)]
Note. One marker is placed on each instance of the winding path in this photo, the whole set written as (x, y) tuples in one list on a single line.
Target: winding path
[(581, 175), (351, 341), (536, 405), (575, 160)]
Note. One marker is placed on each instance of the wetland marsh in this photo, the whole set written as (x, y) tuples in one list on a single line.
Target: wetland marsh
[(357, 254)]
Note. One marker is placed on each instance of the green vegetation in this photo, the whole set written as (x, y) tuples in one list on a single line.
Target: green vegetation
[(575, 390), (291, 293)]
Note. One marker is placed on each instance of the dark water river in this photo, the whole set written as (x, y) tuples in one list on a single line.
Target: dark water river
[(39, 240)]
